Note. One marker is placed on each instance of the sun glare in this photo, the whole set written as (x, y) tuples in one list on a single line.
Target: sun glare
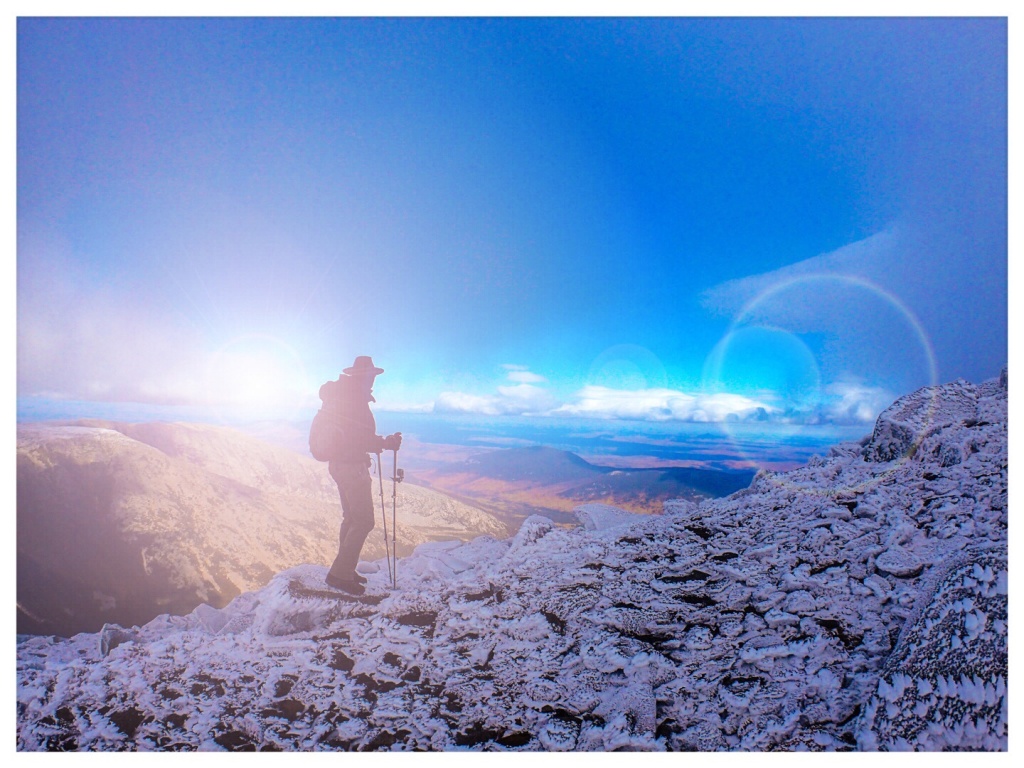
[(258, 374)]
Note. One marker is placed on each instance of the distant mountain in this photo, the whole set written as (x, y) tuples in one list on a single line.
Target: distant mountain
[(516, 482), (123, 522), (859, 602), (536, 464), (645, 487)]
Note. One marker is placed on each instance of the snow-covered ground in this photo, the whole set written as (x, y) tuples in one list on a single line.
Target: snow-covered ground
[(856, 603)]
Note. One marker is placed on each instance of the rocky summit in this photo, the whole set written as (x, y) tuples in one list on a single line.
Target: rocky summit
[(856, 603)]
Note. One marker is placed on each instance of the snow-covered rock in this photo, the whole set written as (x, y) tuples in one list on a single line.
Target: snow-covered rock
[(944, 686), (598, 517), (853, 603), (903, 426)]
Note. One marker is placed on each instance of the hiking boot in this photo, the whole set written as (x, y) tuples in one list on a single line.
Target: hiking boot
[(345, 585), (356, 576)]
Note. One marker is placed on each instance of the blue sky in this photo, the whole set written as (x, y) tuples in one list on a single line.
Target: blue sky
[(660, 219)]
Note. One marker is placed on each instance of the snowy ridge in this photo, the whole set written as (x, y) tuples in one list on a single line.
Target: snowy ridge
[(857, 602)]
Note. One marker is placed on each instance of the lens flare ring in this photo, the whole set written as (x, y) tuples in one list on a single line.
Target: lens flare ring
[(715, 360), (776, 348), (628, 367)]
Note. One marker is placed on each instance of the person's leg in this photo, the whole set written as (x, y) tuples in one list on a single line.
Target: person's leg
[(355, 490), (338, 567)]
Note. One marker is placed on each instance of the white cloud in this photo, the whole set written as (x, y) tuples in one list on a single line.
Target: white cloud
[(525, 377), (398, 406), (520, 400), (528, 398), (98, 345), (664, 405), (855, 403), (521, 397), (461, 402), (78, 342), (843, 402), (859, 303), (793, 294)]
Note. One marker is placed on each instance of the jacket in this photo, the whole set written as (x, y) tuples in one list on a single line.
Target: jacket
[(348, 407)]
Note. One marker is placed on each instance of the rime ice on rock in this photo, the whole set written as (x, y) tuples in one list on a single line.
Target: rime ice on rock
[(900, 426), (944, 687), (828, 608), (597, 517)]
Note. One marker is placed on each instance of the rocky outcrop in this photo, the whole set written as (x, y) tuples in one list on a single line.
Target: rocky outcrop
[(914, 420)]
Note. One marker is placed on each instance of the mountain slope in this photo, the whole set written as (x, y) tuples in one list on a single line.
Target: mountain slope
[(123, 522), (814, 610)]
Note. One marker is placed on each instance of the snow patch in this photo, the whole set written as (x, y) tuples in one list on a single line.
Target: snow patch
[(603, 517)]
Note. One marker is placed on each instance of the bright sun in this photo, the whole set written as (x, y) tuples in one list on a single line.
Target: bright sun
[(258, 373)]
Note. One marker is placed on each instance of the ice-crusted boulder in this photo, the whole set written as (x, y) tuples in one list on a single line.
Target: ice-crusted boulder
[(848, 604), (901, 428), (598, 517)]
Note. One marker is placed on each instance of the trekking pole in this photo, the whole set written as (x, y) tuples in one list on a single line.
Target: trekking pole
[(396, 477), (383, 514)]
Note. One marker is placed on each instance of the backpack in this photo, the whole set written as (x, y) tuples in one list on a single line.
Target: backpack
[(326, 436)]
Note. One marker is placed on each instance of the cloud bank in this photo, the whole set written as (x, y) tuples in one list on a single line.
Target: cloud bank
[(521, 396), (842, 402), (665, 405), (95, 344)]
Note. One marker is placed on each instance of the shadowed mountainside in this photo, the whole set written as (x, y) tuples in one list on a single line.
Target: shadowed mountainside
[(122, 522)]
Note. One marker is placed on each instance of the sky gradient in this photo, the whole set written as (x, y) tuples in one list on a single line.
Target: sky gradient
[(791, 220)]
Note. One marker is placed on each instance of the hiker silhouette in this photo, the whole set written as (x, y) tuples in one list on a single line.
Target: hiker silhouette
[(346, 405)]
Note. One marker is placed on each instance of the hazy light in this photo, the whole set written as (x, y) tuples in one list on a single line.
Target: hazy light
[(258, 373)]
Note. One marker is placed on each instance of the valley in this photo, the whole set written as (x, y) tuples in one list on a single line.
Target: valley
[(514, 483)]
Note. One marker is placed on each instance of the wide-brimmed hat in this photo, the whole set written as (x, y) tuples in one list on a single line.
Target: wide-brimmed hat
[(363, 366)]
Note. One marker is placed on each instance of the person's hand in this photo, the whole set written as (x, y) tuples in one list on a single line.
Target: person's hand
[(393, 442)]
